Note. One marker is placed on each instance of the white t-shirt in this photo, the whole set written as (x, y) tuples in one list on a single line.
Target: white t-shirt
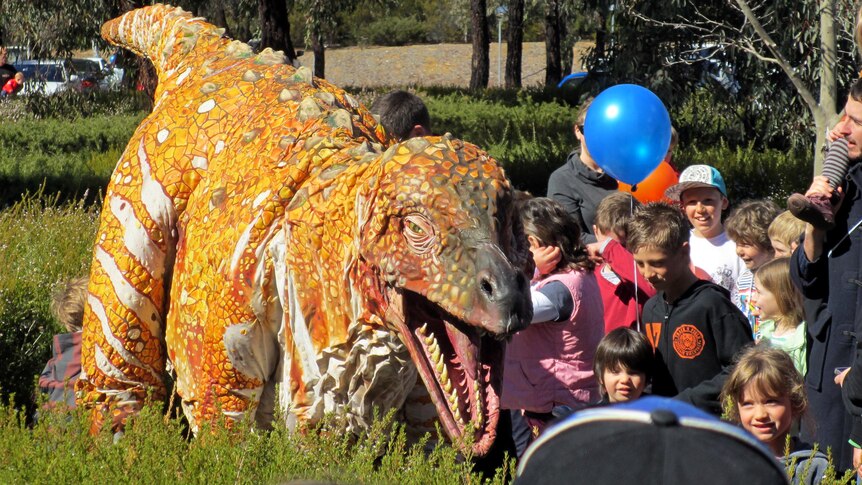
[(717, 257)]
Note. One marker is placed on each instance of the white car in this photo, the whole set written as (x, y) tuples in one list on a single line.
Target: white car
[(54, 76)]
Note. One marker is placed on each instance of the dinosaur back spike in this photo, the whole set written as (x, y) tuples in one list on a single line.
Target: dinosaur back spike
[(162, 33)]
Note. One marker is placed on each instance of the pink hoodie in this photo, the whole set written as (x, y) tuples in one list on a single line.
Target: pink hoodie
[(550, 364)]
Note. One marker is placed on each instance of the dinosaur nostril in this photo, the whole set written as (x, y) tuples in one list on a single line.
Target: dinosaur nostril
[(487, 287)]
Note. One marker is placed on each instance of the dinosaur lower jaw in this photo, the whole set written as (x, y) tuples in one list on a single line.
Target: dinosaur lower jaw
[(461, 366)]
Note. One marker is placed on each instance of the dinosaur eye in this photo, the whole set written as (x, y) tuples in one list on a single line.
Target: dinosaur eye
[(419, 233)]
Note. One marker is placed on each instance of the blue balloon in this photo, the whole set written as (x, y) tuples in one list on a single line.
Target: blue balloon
[(627, 131)]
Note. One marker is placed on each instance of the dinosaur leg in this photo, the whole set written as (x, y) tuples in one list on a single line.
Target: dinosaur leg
[(123, 355), (239, 362)]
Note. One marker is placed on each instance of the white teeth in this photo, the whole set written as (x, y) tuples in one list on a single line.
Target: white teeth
[(435, 354), (480, 415), (442, 371)]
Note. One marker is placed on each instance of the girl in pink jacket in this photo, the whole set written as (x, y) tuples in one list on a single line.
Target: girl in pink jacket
[(549, 364)]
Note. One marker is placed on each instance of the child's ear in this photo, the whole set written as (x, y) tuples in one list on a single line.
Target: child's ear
[(684, 250), (534, 241), (724, 203)]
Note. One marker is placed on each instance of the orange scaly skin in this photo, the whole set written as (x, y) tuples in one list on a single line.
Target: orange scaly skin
[(254, 234)]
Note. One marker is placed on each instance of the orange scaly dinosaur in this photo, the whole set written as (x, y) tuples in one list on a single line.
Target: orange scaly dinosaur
[(255, 233)]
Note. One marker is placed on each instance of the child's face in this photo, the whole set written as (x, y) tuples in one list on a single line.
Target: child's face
[(768, 418), (703, 207), (19, 77), (781, 250), (765, 301), (753, 255), (622, 384), (662, 269)]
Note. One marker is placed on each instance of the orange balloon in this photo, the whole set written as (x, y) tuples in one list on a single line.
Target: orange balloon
[(652, 188)]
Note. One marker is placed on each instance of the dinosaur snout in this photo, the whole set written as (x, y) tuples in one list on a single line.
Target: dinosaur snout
[(502, 293)]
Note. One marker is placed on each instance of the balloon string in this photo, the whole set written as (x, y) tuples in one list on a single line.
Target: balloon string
[(634, 265)]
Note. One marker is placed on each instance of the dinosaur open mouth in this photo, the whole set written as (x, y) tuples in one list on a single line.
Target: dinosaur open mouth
[(461, 366)]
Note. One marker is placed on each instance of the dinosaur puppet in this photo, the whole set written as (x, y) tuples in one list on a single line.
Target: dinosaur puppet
[(255, 233)]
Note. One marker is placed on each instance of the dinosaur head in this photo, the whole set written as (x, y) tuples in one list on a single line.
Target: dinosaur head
[(449, 263)]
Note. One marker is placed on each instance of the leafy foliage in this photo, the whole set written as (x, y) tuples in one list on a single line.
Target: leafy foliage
[(670, 48), (58, 449), (55, 28), (67, 157), (395, 31), (42, 242)]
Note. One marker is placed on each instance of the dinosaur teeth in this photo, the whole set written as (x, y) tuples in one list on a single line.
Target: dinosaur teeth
[(436, 357), (444, 377), (480, 415), (423, 330)]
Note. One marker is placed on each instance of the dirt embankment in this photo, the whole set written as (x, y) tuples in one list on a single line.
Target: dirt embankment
[(429, 65)]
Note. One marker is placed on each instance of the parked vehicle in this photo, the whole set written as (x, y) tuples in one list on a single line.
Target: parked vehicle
[(53, 76), (112, 76)]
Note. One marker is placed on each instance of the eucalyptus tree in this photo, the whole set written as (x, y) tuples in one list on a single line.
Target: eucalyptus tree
[(792, 59)]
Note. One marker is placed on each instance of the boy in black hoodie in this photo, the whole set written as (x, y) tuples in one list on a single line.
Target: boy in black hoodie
[(693, 327)]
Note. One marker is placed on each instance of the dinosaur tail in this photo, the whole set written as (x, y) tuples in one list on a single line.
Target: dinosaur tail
[(161, 33)]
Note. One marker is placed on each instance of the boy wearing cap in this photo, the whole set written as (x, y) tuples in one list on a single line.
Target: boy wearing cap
[(691, 324), (703, 196)]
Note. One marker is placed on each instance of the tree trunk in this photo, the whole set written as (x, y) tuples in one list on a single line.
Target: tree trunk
[(481, 62), (552, 43), (219, 18), (319, 54), (275, 27), (826, 119), (515, 43)]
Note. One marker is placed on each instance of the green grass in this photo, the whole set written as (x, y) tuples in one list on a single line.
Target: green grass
[(42, 243), (58, 449)]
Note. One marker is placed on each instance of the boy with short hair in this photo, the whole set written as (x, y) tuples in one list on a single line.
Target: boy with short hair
[(623, 365), (618, 279), (703, 197), (748, 228), (691, 324), (402, 114)]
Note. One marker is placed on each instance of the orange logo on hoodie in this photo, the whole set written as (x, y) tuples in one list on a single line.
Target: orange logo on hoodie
[(653, 330), (687, 341)]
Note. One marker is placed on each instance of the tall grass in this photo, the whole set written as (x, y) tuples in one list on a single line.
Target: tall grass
[(58, 449), (42, 242)]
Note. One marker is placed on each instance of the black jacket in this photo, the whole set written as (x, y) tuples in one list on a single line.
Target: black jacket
[(695, 339), (832, 287), (580, 189), (7, 72)]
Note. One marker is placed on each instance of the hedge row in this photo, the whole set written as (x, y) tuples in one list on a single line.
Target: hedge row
[(529, 132)]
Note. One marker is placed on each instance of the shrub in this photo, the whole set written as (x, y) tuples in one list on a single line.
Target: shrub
[(42, 243), (58, 449), (393, 31), (71, 105), (70, 157), (750, 173)]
